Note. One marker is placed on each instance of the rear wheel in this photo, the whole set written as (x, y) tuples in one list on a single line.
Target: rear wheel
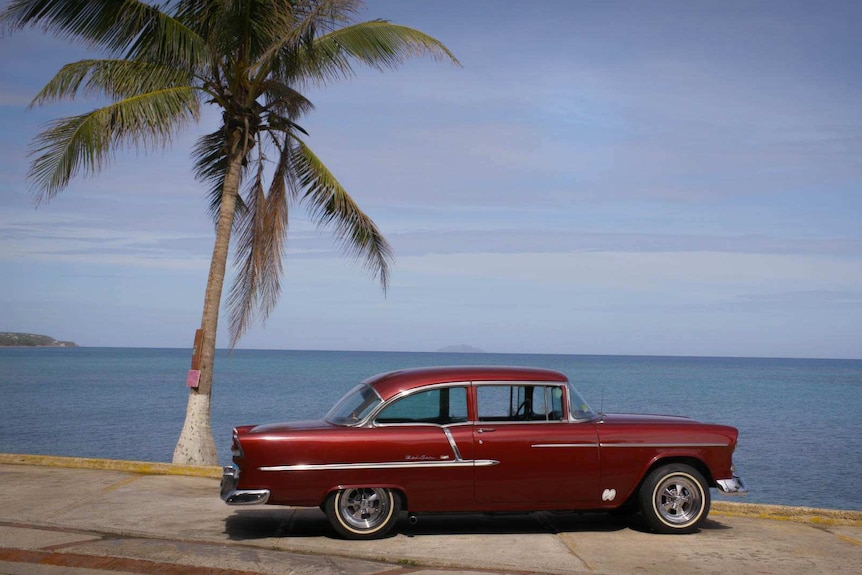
[(675, 499), (363, 512)]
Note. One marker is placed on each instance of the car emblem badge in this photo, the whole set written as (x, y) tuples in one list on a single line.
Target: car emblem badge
[(609, 494)]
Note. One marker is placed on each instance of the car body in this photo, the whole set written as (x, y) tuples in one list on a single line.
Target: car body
[(480, 439)]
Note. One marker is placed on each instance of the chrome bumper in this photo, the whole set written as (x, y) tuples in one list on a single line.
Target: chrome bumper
[(233, 496), (733, 486)]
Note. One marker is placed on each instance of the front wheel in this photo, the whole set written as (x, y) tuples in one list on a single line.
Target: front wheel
[(363, 512), (674, 499)]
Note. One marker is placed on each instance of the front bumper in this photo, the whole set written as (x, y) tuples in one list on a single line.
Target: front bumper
[(233, 496), (733, 486)]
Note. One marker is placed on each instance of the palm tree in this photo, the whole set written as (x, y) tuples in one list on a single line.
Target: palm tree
[(251, 59)]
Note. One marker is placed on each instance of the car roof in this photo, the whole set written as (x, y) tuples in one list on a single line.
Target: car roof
[(393, 382)]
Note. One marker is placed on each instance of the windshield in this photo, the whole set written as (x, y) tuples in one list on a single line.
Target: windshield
[(579, 408), (354, 407)]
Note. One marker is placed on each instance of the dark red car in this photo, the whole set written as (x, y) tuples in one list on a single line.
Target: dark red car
[(480, 439)]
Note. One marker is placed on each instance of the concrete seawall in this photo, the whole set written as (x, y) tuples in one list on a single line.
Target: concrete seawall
[(141, 467)]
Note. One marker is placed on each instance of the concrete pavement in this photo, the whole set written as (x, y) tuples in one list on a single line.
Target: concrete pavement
[(123, 517)]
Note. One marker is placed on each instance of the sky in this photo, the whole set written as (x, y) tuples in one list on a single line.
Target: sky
[(617, 177)]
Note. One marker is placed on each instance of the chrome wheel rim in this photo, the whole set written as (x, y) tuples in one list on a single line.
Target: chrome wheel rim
[(678, 500), (364, 508)]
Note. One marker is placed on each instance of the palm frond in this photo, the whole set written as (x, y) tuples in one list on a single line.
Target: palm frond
[(381, 44), (136, 28), (248, 260), (211, 166), (284, 100), (260, 249), (237, 32), (115, 79), (170, 41), (210, 155), (85, 143), (377, 43), (302, 23), (331, 207)]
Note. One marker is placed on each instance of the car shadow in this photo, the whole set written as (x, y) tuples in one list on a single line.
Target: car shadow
[(263, 523), (638, 523), (276, 522), (714, 525), (537, 522)]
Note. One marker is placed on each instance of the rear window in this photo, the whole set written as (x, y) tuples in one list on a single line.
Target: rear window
[(354, 406)]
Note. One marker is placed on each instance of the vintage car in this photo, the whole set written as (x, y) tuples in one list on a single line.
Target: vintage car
[(480, 439)]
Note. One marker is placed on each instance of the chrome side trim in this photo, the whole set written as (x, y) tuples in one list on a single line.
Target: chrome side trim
[(526, 422), (419, 424), (381, 465), (565, 445), (662, 445), (733, 486), (452, 444)]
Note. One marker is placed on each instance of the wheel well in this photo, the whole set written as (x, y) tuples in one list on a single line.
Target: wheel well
[(697, 464), (402, 496)]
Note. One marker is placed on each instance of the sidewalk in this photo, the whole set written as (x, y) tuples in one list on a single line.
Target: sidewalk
[(61, 520)]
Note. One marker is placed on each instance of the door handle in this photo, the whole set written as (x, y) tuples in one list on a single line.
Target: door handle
[(486, 430)]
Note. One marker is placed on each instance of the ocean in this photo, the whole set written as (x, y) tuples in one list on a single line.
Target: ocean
[(800, 420)]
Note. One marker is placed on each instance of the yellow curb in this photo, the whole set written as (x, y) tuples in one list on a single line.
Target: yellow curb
[(141, 467), (850, 540), (824, 517)]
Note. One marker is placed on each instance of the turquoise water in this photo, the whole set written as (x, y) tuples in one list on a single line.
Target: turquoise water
[(800, 421)]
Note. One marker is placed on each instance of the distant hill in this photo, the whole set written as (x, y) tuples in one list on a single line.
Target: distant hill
[(460, 349), (13, 339)]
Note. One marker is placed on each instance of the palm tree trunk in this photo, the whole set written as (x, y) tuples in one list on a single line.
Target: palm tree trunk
[(196, 445)]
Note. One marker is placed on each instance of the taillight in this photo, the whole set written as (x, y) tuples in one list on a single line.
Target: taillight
[(236, 448)]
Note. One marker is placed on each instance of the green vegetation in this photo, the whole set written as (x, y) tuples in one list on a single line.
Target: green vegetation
[(13, 339)]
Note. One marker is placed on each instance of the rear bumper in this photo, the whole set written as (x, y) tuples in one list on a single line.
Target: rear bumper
[(233, 496), (733, 486)]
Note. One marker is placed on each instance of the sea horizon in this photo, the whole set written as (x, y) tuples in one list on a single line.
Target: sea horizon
[(443, 352)]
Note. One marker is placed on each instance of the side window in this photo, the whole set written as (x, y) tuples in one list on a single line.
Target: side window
[(546, 403), (556, 401), (499, 402), (521, 402), (441, 406)]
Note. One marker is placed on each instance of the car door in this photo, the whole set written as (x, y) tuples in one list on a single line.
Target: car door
[(534, 456), (425, 439)]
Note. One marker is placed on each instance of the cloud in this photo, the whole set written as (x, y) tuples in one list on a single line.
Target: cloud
[(530, 241), (72, 237), (801, 301), (670, 274)]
